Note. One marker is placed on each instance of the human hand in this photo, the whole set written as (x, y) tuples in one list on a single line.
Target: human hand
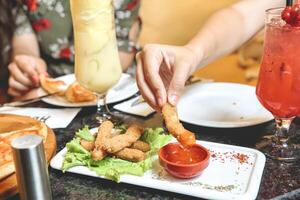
[(162, 71), (24, 74)]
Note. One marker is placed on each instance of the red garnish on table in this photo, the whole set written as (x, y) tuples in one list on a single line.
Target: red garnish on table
[(291, 15), (232, 156)]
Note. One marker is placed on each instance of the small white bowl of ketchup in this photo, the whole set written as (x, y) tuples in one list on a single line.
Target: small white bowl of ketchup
[(184, 162)]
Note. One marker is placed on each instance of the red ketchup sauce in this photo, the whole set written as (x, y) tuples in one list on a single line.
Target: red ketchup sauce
[(178, 154)]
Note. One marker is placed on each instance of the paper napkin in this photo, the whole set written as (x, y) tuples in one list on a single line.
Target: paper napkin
[(54, 118), (141, 109)]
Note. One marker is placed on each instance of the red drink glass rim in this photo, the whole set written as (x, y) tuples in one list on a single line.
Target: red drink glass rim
[(275, 11)]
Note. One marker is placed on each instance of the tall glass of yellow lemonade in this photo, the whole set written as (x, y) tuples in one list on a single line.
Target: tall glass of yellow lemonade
[(97, 64)]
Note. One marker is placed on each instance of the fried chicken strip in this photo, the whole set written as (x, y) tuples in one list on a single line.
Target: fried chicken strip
[(119, 142), (88, 145), (173, 125), (104, 132), (129, 154), (140, 145)]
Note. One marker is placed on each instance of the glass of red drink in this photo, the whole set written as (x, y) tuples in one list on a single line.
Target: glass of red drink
[(278, 87)]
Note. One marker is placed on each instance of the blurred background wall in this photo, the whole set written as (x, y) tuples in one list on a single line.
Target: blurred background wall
[(175, 21)]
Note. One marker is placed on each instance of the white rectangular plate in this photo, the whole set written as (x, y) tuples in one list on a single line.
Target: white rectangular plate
[(224, 178)]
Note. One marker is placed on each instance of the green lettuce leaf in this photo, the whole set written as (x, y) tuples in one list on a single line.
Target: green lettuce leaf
[(76, 155), (75, 147), (85, 134), (156, 138), (74, 159), (114, 167)]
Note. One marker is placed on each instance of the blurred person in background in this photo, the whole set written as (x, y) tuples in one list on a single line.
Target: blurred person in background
[(8, 14), (162, 70), (43, 41)]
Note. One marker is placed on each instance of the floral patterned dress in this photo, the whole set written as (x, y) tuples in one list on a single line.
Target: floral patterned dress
[(51, 21)]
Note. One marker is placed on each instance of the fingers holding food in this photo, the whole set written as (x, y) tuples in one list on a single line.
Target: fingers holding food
[(130, 154), (140, 145), (142, 84), (119, 142), (77, 93), (19, 76), (33, 66), (26, 69), (174, 126), (17, 86)]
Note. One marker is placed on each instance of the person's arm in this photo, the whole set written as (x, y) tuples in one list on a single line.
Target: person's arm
[(229, 28), (162, 70), (25, 44), (26, 64)]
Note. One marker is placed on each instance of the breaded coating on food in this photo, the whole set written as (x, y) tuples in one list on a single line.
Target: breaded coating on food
[(98, 154), (129, 154), (76, 93), (104, 132), (88, 145), (174, 126), (140, 145), (119, 142)]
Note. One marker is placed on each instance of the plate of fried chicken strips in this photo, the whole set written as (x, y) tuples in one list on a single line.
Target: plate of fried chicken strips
[(129, 154), (67, 92), (110, 151)]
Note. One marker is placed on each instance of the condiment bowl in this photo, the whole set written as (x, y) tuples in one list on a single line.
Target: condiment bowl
[(184, 162)]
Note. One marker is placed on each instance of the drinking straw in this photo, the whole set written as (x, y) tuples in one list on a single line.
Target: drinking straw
[(289, 2)]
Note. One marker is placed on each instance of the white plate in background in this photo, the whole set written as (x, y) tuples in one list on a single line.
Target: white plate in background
[(221, 105), (125, 88)]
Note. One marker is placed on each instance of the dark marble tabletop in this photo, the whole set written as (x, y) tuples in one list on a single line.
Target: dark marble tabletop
[(279, 181)]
